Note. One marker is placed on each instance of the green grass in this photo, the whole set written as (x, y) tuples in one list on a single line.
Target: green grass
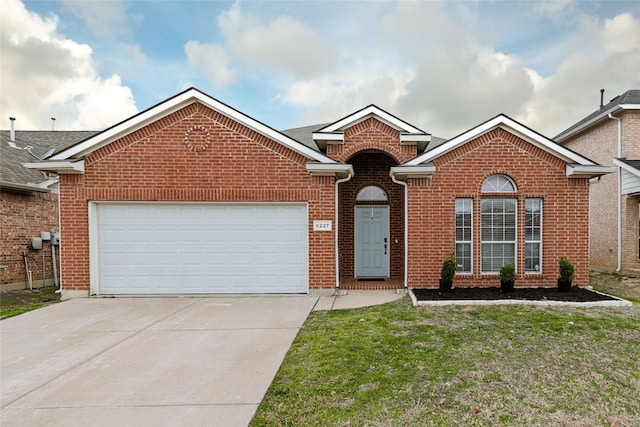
[(398, 365), (17, 302)]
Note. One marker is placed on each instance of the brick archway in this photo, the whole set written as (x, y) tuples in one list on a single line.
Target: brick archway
[(371, 168)]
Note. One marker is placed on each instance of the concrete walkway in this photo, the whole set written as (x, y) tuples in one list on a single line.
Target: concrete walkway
[(344, 299)]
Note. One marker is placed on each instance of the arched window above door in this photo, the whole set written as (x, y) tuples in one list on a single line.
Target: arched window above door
[(371, 193)]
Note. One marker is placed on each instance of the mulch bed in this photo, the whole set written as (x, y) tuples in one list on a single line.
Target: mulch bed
[(530, 294)]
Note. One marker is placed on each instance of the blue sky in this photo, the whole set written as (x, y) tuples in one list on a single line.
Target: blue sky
[(443, 66)]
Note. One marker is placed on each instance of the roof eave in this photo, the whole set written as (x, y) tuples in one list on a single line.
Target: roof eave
[(600, 117), (23, 188), (339, 170), (405, 172), (60, 167), (587, 171)]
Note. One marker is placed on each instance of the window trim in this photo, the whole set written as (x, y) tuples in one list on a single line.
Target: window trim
[(469, 242), (514, 242), (540, 241)]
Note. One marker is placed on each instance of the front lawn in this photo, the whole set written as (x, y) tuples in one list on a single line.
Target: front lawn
[(399, 365), (13, 303)]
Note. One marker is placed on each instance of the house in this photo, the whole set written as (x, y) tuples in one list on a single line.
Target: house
[(192, 197), (611, 136), (28, 205)]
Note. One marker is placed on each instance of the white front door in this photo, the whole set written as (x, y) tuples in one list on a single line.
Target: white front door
[(372, 242)]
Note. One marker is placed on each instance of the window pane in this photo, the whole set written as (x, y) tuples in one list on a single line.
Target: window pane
[(533, 235), (498, 184), (498, 233), (463, 234)]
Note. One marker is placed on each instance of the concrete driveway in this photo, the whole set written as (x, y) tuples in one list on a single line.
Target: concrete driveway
[(145, 361)]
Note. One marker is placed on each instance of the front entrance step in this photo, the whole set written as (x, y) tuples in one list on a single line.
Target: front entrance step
[(356, 284)]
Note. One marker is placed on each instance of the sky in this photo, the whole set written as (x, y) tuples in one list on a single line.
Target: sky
[(444, 67)]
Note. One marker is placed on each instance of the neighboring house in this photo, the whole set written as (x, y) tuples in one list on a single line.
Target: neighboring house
[(611, 136), (28, 205), (193, 196)]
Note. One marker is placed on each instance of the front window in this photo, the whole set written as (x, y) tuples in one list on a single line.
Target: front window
[(533, 235), (464, 209), (498, 233)]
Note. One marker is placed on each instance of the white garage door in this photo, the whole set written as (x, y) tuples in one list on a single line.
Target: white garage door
[(200, 248)]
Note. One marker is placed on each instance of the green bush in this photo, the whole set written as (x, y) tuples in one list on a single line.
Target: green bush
[(567, 272), (448, 268), (508, 273)]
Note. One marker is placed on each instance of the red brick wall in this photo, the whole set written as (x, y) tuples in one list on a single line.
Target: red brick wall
[(460, 173), (154, 164), (23, 216)]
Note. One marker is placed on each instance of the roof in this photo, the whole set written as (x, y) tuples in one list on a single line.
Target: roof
[(165, 108), (304, 134), (628, 100), (634, 164), (12, 174), (577, 166)]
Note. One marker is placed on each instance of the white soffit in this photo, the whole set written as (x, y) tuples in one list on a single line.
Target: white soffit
[(172, 105), (511, 126)]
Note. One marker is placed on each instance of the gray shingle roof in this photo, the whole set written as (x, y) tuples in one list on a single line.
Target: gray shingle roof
[(633, 163), (12, 173), (304, 135), (629, 97)]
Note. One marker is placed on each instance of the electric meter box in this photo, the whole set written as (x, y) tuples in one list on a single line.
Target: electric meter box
[(55, 239), (45, 236), (36, 243)]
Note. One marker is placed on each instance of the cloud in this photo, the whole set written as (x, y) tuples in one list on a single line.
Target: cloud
[(46, 75), (283, 45), (110, 19)]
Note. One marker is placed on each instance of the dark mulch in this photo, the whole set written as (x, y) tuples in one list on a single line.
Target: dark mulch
[(531, 294)]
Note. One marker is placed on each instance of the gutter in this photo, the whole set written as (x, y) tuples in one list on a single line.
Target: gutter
[(619, 195), (350, 174), (392, 174)]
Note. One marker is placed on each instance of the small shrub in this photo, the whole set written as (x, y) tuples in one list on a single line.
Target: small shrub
[(448, 268), (508, 273), (567, 272)]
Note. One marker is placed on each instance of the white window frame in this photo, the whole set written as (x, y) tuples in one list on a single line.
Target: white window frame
[(504, 242), (372, 193), (465, 242), (532, 241)]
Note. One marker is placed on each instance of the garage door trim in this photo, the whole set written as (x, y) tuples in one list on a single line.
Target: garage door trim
[(94, 233)]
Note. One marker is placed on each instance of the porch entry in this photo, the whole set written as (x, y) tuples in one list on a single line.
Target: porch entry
[(372, 242)]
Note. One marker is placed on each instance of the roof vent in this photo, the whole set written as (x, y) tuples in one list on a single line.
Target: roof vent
[(53, 123), (601, 98)]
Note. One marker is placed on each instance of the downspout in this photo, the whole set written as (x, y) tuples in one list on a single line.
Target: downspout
[(339, 181), (406, 227), (619, 195)]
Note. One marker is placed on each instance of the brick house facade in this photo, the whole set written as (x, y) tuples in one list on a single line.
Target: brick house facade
[(597, 137), (381, 204)]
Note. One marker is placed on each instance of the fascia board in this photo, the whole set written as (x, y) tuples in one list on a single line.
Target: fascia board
[(602, 116), (626, 167), (324, 169), (329, 137), (587, 171), (510, 126), (24, 188), (414, 138), (422, 171), (174, 104), (372, 111), (60, 167)]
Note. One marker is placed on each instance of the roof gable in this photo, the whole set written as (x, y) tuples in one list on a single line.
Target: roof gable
[(334, 132), (577, 165), (172, 105)]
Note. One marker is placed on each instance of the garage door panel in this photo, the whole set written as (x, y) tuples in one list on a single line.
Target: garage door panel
[(189, 248)]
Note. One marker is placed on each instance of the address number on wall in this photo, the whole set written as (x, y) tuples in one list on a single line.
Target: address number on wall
[(321, 225)]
